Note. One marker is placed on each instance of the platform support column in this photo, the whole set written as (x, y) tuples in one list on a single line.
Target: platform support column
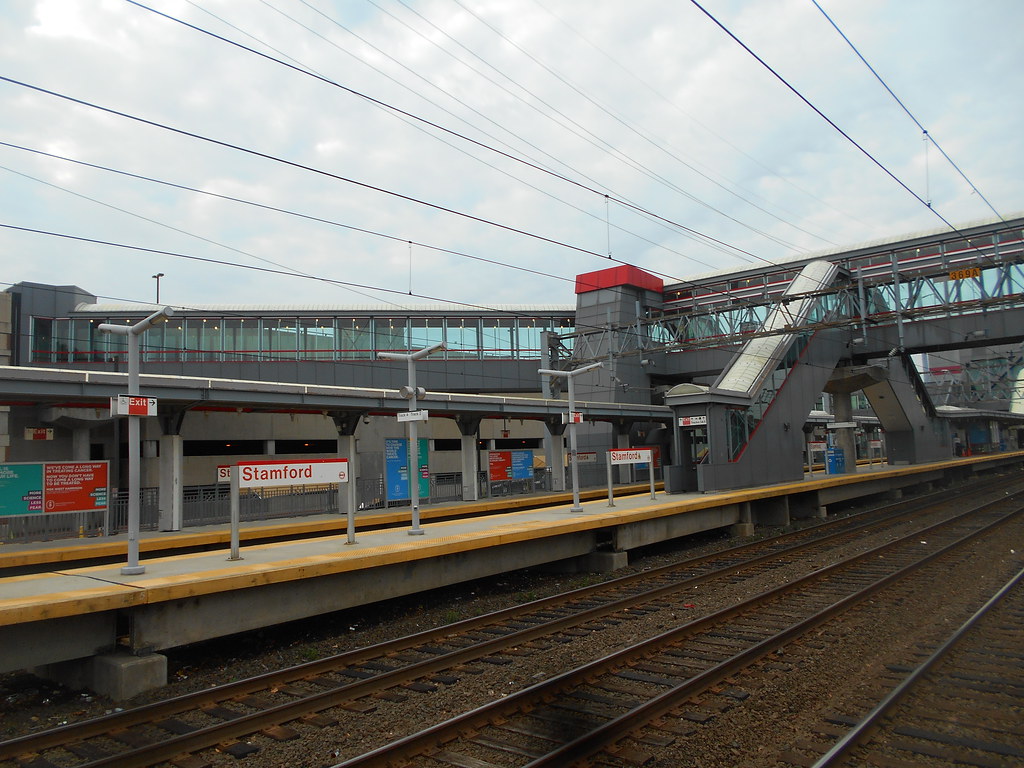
[(346, 422), (171, 497), (469, 431), (745, 525), (80, 444), (773, 511), (118, 675), (626, 471), (556, 460), (845, 437)]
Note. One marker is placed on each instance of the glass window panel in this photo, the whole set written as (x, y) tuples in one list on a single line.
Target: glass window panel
[(528, 339), (42, 340), (87, 347), (463, 337), (165, 341), (62, 341), (499, 336), (280, 338), (241, 338), (354, 340), (211, 338), (389, 334), (425, 331), (317, 338), (193, 328)]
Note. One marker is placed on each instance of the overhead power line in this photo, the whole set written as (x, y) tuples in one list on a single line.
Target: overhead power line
[(397, 110), (825, 117), (928, 136)]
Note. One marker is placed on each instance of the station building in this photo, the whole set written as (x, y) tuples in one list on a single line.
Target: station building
[(660, 343)]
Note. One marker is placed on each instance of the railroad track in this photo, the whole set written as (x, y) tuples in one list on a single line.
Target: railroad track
[(594, 709), (318, 694), (962, 703)]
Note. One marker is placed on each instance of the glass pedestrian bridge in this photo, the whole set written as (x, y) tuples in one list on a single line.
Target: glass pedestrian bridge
[(262, 333), (939, 275)]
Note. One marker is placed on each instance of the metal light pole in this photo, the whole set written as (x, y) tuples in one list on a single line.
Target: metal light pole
[(133, 332), (157, 277), (573, 465), (412, 392)]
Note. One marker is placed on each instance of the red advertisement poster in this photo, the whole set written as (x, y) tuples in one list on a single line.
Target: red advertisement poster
[(499, 465), (74, 486)]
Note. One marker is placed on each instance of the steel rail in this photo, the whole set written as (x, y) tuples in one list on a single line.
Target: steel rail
[(251, 723), (522, 701), (862, 730)]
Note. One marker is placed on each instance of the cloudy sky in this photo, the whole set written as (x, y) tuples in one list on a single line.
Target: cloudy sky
[(485, 151)]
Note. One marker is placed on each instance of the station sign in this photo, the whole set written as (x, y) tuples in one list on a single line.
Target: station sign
[(841, 424), (223, 473), (38, 433), (258, 474), (413, 415), (693, 421), (573, 417), (583, 457), (132, 405), (629, 456)]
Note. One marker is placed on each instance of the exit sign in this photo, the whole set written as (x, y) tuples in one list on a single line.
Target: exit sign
[(132, 405)]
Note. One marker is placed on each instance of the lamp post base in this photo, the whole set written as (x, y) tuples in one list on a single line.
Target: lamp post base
[(132, 570)]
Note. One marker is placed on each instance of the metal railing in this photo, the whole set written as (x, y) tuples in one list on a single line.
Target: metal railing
[(210, 504)]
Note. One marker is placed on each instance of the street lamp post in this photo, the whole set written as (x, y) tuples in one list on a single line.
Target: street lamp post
[(133, 332), (157, 277), (573, 457), (411, 391)]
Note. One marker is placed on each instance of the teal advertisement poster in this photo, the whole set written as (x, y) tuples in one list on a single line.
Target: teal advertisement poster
[(396, 468), (21, 489)]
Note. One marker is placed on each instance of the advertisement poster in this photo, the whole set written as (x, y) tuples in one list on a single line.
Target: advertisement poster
[(65, 486), (509, 465), (396, 469)]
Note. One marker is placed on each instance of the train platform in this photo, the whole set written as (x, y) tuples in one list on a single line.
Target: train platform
[(94, 627)]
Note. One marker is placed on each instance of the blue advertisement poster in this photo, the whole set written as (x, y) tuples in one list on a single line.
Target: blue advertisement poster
[(522, 465), (396, 468)]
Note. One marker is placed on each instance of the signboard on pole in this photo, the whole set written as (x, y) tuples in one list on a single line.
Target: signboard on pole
[(51, 487), (583, 457), (629, 456), (38, 433), (260, 474), (413, 415), (130, 405)]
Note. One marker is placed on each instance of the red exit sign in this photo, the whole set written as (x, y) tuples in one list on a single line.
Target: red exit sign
[(132, 405)]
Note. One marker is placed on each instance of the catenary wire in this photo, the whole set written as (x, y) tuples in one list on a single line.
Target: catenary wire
[(930, 137), (824, 117), (625, 203)]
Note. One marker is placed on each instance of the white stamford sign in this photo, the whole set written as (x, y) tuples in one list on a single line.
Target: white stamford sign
[(629, 456), (253, 474)]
